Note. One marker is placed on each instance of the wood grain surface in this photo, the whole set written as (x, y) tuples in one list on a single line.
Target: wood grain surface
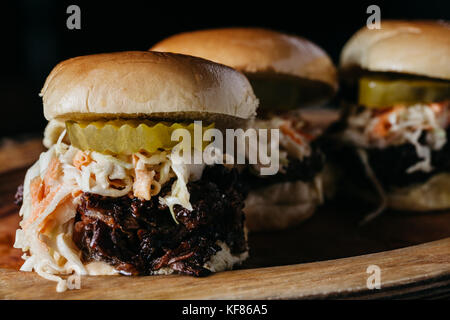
[(326, 257)]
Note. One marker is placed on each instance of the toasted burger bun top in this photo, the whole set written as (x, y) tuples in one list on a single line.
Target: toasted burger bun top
[(412, 47), (146, 84), (255, 50)]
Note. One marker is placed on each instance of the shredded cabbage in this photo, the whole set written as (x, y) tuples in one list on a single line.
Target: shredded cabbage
[(179, 194), (287, 146)]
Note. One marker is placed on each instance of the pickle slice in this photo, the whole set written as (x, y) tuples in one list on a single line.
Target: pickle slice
[(381, 92), (126, 136)]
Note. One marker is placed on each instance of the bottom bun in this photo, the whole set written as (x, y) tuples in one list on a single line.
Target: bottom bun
[(282, 205), (223, 260), (434, 194)]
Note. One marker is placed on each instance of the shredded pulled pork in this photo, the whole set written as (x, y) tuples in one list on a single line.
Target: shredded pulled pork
[(140, 237)]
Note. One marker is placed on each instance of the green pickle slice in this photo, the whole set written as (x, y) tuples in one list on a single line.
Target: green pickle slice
[(127, 136), (382, 92)]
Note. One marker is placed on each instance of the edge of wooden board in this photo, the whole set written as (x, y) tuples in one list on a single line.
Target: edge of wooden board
[(406, 272)]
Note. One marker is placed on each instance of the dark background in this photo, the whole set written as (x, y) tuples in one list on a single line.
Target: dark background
[(35, 36)]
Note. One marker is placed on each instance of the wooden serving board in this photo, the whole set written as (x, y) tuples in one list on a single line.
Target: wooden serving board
[(326, 257)]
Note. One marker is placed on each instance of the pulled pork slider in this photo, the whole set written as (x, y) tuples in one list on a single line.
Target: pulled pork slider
[(396, 82), (286, 72), (117, 196)]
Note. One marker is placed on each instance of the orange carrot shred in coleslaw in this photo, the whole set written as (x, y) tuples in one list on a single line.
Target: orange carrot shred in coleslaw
[(143, 183), (50, 222), (81, 159), (381, 129), (294, 134), (439, 107), (44, 190)]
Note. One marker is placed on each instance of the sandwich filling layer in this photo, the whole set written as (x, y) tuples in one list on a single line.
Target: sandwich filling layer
[(86, 212), (405, 144), (299, 156)]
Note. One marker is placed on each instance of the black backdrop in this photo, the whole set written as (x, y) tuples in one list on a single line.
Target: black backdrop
[(35, 36)]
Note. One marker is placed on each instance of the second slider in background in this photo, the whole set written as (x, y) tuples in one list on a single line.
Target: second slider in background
[(287, 73)]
